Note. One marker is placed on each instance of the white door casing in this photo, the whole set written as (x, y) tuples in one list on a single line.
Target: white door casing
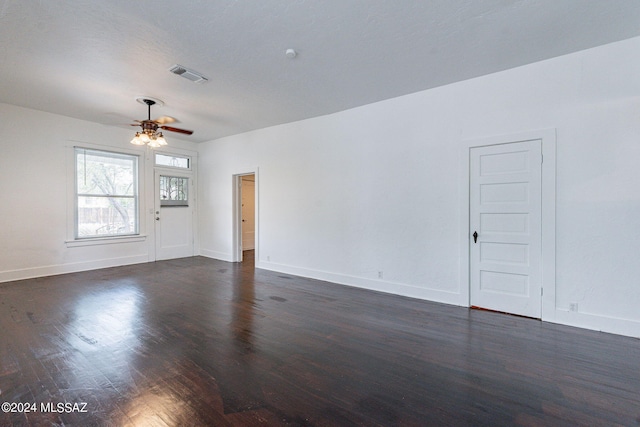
[(505, 196), (174, 224)]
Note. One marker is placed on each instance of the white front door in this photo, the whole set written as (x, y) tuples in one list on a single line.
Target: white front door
[(248, 190), (174, 208), (505, 227)]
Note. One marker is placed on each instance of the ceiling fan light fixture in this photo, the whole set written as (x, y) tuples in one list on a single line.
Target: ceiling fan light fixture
[(160, 139), (154, 143), (137, 140), (150, 134), (145, 138), (149, 137)]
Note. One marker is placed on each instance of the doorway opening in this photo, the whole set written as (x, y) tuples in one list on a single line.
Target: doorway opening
[(245, 229)]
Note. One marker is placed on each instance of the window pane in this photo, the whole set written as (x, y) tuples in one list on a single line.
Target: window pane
[(106, 194), (174, 191), (106, 216), (105, 173), (172, 161)]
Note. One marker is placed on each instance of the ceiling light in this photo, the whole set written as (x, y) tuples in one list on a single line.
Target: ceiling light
[(150, 134), (160, 139), (145, 137), (137, 140)]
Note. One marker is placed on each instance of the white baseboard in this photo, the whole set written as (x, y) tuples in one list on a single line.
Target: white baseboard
[(222, 256), (54, 270), (596, 322), (371, 284)]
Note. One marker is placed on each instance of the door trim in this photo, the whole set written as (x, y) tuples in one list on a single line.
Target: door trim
[(548, 142), (236, 238)]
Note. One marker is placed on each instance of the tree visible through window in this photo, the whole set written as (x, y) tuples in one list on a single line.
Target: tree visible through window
[(106, 193), (174, 191)]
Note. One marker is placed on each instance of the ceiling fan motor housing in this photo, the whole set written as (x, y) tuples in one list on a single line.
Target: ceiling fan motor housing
[(149, 126)]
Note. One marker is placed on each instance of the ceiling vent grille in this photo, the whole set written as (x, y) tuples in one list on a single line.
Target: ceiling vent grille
[(188, 74)]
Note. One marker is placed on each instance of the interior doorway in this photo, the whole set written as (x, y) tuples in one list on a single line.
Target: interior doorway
[(248, 222), (245, 234)]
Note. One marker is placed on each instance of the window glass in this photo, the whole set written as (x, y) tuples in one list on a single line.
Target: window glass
[(106, 194), (172, 161), (174, 191)]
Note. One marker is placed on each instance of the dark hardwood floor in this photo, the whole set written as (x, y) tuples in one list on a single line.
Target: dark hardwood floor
[(199, 342)]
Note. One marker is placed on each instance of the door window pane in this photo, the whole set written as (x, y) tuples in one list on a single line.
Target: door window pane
[(174, 191)]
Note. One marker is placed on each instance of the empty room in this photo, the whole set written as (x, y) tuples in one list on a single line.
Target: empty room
[(320, 213)]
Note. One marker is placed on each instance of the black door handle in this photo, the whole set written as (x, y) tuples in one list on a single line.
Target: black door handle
[(475, 237)]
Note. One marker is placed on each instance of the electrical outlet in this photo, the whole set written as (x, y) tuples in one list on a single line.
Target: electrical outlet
[(268, 258), (573, 306), (380, 274)]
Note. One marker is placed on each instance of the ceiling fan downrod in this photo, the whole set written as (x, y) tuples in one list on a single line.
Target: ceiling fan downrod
[(149, 103)]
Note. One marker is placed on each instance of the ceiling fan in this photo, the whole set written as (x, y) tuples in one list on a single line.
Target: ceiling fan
[(150, 134)]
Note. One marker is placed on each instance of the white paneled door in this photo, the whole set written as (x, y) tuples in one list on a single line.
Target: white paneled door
[(174, 210), (505, 227)]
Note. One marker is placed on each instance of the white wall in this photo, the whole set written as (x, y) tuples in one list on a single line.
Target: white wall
[(376, 188), (36, 172)]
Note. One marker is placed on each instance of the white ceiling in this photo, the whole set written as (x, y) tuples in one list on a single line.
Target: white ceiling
[(90, 59)]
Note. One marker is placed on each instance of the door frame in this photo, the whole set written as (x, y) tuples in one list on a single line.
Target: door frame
[(548, 202), (236, 239)]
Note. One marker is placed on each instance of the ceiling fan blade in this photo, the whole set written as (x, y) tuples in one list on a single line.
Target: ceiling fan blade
[(178, 130), (164, 120)]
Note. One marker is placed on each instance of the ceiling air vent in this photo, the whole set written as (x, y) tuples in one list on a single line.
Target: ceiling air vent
[(188, 74)]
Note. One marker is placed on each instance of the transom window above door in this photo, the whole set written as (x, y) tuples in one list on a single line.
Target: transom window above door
[(172, 161)]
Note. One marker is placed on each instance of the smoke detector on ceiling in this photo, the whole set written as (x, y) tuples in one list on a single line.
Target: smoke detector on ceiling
[(188, 74)]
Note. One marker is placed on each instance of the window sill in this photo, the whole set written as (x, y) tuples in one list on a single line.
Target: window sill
[(105, 241)]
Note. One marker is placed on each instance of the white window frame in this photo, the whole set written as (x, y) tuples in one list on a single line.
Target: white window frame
[(72, 219)]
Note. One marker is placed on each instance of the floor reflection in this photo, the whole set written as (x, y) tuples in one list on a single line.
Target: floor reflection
[(108, 317), (153, 407), (103, 329), (243, 312)]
